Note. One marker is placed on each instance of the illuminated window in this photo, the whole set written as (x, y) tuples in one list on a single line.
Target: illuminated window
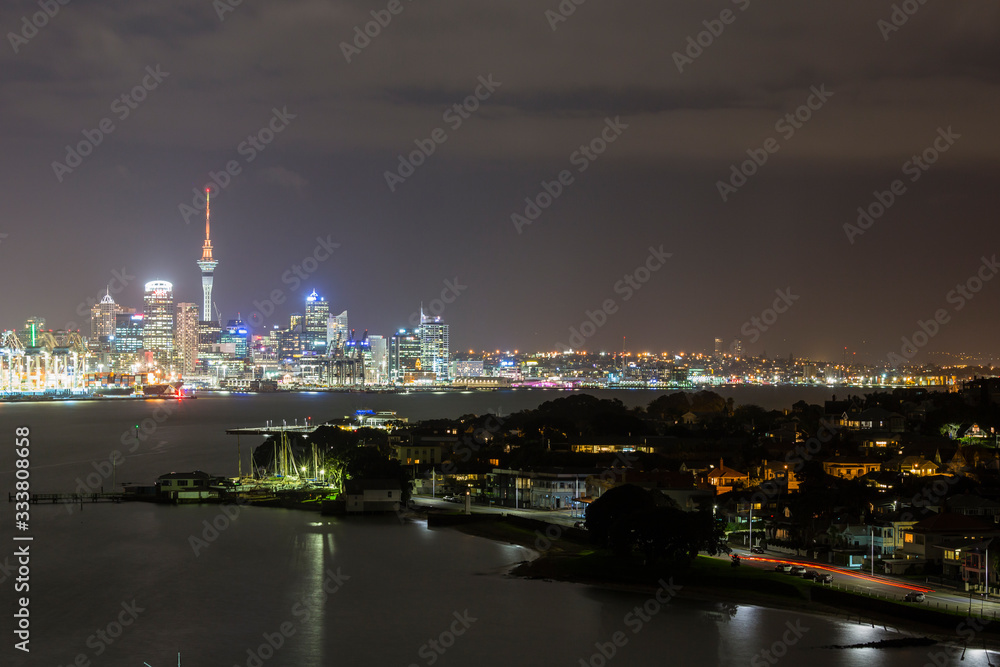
[(908, 538)]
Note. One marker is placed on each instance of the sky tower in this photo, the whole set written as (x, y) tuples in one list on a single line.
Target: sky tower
[(207, 265)]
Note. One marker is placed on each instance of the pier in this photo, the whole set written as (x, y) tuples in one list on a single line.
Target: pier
[(72, 497)]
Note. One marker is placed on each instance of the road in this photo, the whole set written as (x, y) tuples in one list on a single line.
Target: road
[(880, 586)]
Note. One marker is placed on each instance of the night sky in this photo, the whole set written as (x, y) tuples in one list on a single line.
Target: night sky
[(673, 128)]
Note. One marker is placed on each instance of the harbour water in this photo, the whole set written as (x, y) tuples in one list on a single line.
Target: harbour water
[(123, 585)]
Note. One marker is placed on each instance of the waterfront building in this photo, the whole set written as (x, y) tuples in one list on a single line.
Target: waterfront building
[(336, 331), (102, 321), (405, 355), (186, 341), (469, 369), (234, 340), (377, 370), (158, 320), (434, 347), (314, 337)]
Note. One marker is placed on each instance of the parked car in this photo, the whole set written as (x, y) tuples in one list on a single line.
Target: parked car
[(581, 525), (757, 550), (797, 570), (811, 575), (825, 578), (783, 567), (915, 597)]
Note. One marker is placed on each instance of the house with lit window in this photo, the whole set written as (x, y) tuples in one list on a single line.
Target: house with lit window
[(726, 479), (942, 538), (850, 467), (372, 495)]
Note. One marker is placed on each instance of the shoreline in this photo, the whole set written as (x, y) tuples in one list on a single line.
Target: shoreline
[(545, 566)]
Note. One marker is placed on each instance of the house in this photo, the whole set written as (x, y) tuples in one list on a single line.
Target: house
[(970, 505), (872, 419), (942, 537), (186, 486), (725, 479), (850, 467), (913, 466), (782, 473), (421, 452), (372, 495), (544, 488)]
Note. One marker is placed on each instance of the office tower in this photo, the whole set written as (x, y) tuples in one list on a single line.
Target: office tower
[(737, 347), (32, 327), (207, 264), (405, 356), (434, 348), (234, 339), (186, 340), (158, 320), (377, 371), (315, 329), (336, 331), (128, 333), (296, 322), (102, 319), (718, 347)]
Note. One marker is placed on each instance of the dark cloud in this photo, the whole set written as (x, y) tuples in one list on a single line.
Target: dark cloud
[(657, 183)]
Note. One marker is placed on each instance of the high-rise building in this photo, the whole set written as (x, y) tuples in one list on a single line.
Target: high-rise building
[(32, 327), (207, 264), (234, 339), (128, 333), (315, 329), (377, 371), (336, 331), (158, 320), (434, 347), (405, 352), (102, 320), (186, 339), (718, 347)]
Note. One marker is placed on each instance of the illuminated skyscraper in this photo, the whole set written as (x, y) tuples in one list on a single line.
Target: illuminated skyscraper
[(207, 264), (317, 314), (405, 356), (186, 340), (102, 321), (336, 331), (158, 320), (435, 354)]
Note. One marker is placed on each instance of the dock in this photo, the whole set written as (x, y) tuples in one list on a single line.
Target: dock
[(72, 497)]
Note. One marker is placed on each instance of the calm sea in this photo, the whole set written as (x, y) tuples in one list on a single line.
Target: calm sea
[(134, 584)]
